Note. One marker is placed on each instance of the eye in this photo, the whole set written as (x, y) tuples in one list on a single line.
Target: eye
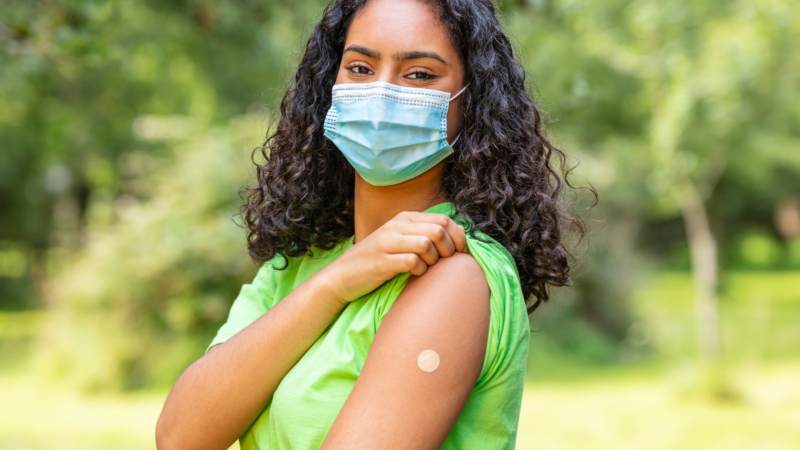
[(359, 69), (418, 75)]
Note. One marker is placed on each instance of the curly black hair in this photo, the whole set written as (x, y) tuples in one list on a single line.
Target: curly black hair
[(504, 175)]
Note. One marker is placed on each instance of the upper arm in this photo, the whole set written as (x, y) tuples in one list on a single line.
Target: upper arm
[(394, 404)]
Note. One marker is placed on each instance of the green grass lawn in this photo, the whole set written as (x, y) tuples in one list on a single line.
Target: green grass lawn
[(36, 416), (632, 411), (651, 404), (657, 413)]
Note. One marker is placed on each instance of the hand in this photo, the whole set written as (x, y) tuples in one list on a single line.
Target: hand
[(409, 242)]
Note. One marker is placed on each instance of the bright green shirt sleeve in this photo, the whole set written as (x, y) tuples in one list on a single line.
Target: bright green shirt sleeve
[(254, 299), (490, 418)]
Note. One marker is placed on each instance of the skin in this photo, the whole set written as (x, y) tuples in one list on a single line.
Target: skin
[(444, 307)]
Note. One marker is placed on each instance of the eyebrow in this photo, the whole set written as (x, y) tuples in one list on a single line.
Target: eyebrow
[(417, 55), (364, 51), (405, 56)]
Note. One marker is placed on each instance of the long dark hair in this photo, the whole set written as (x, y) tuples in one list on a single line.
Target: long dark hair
[(504, 176)]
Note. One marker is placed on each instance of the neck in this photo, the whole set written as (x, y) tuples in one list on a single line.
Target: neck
[(376, 205)]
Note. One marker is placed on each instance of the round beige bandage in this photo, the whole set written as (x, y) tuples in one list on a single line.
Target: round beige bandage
[(428, 361)]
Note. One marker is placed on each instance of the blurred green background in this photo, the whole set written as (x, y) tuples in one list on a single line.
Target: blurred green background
[(125, 135)]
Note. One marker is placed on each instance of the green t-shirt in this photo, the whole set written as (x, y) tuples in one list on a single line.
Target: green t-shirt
[(311, 395)]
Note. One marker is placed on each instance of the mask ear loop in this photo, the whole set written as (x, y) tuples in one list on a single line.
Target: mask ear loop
[(459, 93), (451, 99)]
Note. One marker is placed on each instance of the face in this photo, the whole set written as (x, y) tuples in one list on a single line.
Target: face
[(402, 42)]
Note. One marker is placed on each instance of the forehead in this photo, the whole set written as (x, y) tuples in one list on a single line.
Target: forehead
[(400, 26)]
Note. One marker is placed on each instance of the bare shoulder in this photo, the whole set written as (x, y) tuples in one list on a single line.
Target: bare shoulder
[(460, 267), (452, 293)]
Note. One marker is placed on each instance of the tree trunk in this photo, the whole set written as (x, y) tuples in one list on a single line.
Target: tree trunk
[(703, 249)]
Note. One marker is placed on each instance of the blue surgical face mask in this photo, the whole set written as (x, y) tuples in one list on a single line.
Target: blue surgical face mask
[(389, 133)]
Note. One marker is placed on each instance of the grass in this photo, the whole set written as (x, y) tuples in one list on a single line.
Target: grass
[(649, 404), (657, 413), (661, 403), (35, 417), (634, 411)]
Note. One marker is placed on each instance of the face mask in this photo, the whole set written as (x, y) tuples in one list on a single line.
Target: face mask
[(389, 133)]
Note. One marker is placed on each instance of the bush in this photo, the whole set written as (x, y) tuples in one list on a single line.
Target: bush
[(143, 298)]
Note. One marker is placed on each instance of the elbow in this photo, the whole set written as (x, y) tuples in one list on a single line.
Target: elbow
[(165, 440), (168, 436), (181, 424), (174, 434)]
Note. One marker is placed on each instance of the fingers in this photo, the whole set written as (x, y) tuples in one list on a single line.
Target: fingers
[(408, 262), (454, 231), (436, 235), (414, 243)]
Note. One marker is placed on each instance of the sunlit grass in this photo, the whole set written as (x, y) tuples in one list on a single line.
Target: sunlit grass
[(660, 403), (656, 413), (36, 416), (637, 411)]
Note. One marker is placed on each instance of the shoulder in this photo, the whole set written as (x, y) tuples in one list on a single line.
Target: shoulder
[(499, 268), (490, 253), (459, 271), (509, 328), (447, 310), (459, 265), (452, 291)]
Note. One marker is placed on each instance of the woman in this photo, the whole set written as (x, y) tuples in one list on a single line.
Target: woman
[(406, 210)]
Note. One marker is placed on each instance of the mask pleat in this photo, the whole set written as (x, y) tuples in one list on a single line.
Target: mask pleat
[(389, 133)]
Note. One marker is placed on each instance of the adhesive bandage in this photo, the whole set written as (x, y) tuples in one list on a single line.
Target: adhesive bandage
[(428, 361)]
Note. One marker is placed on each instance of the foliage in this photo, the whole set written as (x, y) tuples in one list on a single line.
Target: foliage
[(124, 141), (145, 296), (77, 74), (660, 90)]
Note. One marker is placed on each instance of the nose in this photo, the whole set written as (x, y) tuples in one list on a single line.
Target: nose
[(389, 72)]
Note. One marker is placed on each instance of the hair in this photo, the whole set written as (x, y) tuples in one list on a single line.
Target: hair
[(504, 176)]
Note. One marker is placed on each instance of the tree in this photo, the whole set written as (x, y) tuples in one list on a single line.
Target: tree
[(702, 73)]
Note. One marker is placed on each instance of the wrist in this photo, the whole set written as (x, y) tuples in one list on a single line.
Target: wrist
[(328, 285)]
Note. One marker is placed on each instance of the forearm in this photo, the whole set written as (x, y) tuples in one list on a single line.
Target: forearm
[(219, 396)]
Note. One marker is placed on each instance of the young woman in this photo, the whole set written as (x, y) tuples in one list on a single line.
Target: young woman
[(406, 211)]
